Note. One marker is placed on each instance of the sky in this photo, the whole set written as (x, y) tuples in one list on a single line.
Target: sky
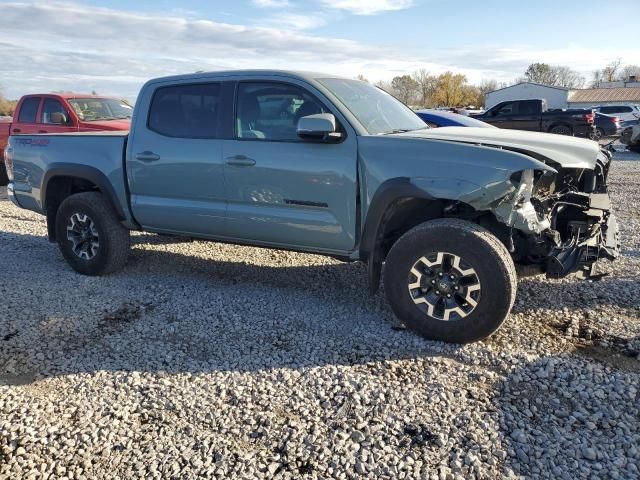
[(113, 47)]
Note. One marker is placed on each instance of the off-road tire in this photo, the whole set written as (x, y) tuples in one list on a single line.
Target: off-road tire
[(480, 249), (561, 130), (114, 242)]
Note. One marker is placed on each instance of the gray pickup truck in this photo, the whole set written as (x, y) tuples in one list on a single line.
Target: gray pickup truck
[(320, 164)]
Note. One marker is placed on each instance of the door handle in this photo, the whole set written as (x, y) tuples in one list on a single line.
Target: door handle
[(147, 156), (240, 161), (16, 130), (42, 131)]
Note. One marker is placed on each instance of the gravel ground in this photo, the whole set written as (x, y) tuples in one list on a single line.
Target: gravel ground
[(202, 359)]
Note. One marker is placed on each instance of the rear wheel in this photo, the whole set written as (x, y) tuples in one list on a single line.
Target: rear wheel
[(450, 280), (90, 236), (561, 130)]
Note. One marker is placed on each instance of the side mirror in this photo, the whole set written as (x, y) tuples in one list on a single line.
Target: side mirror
[(59, 118), (321, 126)]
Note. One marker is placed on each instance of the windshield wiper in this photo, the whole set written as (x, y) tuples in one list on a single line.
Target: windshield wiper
[(403, 130), (396, 130)]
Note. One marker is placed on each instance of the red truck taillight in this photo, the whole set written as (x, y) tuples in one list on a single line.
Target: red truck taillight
[(589, 118), (8, 162), (615, 120)]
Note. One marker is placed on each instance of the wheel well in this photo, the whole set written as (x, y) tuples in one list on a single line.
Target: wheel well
[(560, 124), (405, 213), (59, 188)]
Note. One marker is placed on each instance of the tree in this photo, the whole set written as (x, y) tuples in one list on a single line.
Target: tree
[(630, 70), (454, 91), (565, 77), (540, 73), (485, 87), (405, 89), (427, 85), (7, 107), (362, 78)]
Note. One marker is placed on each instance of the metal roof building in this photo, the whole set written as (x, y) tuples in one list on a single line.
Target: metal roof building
[(603, 96), (561, 97)]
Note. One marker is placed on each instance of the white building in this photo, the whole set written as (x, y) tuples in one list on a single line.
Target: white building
[(561, 97), (556, 97)]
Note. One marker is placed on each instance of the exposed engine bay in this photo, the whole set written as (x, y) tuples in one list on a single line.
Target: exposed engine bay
[(561, 221)]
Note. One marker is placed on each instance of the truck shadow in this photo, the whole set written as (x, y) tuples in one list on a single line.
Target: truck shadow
[(162, 312)]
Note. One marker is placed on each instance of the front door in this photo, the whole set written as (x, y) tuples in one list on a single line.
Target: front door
[(51, 123), (174, 161), (283, 190)]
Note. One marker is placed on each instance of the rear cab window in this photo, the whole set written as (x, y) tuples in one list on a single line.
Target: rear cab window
[(186, 111), (29, 110)]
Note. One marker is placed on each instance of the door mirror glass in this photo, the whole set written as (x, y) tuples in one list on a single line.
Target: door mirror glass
[(320, 126), (59, 118)]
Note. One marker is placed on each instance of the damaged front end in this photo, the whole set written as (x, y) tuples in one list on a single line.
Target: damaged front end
[(561, 221)]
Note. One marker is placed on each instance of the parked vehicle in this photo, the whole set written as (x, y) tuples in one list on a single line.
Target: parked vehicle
[(631, 138), (439, 118), (606, 126), (60, 113), (534, 115), (623, 112), (330, 166)]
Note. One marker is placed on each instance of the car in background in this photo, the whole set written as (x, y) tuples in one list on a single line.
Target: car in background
[(533, 115), (441, 118), (606, 126), (631, 137), (62, 113), (624, 112)]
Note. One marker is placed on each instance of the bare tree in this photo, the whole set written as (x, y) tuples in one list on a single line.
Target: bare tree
[(565, 77), (362, 78), (427, 85), (630, 70)]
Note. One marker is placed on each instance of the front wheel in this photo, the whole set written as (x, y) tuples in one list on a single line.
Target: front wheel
[(450, 280), (89, 234)]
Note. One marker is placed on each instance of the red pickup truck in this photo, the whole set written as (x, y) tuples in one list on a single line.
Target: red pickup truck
[(59, 113)]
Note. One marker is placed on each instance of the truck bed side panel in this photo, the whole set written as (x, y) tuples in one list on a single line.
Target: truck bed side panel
[(96, 157)]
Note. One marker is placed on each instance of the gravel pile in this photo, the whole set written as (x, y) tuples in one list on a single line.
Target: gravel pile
[(235, 362)]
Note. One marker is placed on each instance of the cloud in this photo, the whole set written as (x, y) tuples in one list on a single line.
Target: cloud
[(367, 7), (295, 21), (271, 3), (82, 48)]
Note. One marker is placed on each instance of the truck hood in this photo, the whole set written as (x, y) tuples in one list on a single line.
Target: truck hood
[(569, 152)]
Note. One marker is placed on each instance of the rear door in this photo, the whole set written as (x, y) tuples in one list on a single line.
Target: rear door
[(26, 121), (174, 159), (283, 190)]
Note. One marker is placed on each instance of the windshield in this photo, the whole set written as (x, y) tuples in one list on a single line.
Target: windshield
[(89, 109), (375, 109)]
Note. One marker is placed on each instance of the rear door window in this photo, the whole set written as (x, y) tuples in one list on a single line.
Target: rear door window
[(186, 111), (529, 107), (29, 110)]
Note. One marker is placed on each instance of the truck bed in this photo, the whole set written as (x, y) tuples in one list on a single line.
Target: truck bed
[(38, 158)]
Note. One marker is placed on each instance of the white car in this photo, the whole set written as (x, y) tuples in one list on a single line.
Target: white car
[(623, 112)]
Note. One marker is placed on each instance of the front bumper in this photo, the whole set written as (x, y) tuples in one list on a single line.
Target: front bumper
[(596, 236)]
